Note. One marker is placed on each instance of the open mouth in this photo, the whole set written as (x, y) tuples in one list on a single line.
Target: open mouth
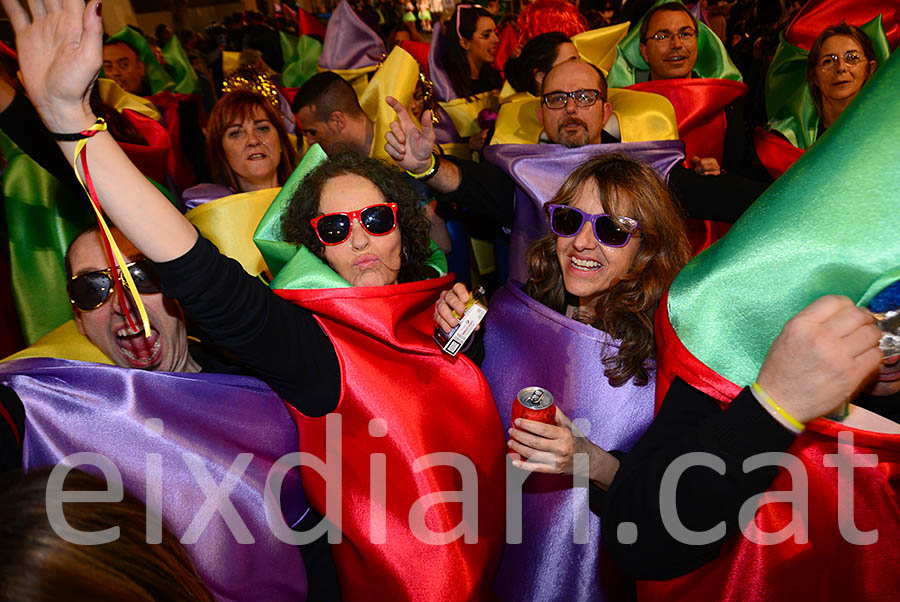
[(139, 350), (678, 58), (256, 156), (583, 264)]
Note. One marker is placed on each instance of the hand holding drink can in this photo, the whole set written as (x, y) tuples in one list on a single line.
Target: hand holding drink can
[(534, 403)]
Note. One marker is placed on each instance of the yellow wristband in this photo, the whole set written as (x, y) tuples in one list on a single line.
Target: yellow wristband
[(432, 169), (781, 411)]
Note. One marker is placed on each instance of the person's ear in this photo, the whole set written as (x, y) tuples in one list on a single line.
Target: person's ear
[(872, 65), (143, 68), (540, 113), (337, 121), (464, 44), (607, 112), (78, 323), (643, 49), (538, 78)]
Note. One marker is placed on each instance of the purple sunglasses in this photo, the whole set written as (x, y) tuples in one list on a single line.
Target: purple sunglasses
[(566, 221)]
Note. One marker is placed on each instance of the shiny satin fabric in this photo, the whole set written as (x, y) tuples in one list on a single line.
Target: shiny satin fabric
[(396, 77), (151, 159), (65, 343), (437, 68), (42, 218), (464, 113), (816, 15), (349, 43), (826, 566), (113, 95), (422, 402), (80, 407), (789, 105), (300, 58), (419, 51), (599, 46), (157, 76), (540, 169), (529, 344), (817, 231), (308, 24), (178, 164), (186, 80), (229, 222), (712, 57), (700, 108), (507, 47), (641, 116), (774, 152)]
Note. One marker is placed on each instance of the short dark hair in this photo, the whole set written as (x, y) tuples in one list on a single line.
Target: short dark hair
[(812, 60), (327, 92), (393, 184), (602, 86), (667, 7), (127, 45), (68, 260)]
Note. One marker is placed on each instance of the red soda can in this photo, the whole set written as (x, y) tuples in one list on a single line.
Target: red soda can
[(534, 403)]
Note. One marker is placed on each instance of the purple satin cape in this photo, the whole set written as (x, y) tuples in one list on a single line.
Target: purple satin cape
[(540, 169), (437, 71), (83, 407), (203, 193), (527, 343), (349, 43)]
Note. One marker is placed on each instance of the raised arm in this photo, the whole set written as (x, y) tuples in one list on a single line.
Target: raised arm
[(60, 52)]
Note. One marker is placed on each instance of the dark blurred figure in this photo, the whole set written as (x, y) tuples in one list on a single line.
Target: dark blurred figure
[(259, 36)]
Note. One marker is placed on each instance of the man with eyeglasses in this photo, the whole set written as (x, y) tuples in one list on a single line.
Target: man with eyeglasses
[(575, 117), (669, 42)]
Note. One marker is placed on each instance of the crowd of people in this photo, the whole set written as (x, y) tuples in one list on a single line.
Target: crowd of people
[(231, 245)]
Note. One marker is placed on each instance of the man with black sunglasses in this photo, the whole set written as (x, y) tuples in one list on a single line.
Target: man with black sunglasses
[(100, 313)]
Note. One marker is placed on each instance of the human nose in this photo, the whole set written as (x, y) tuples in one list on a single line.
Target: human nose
[(570, 106), (585, 238), (117, 299), (359, 237)]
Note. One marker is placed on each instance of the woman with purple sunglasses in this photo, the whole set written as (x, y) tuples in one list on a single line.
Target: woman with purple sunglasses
[(581, 327)]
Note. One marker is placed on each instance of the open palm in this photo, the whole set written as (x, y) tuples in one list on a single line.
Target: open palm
[(60, 52)]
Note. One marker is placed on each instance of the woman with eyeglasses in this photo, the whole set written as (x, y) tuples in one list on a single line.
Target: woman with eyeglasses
[(840, 62), (581, 327), (347, 334)]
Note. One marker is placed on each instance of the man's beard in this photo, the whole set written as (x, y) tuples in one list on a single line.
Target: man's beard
[(573, 140)]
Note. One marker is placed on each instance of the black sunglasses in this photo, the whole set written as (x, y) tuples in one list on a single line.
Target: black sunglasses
[(334, 228), (567, 221), (91, 290)]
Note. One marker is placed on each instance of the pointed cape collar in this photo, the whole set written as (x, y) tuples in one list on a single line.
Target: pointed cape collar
[(295, 266)]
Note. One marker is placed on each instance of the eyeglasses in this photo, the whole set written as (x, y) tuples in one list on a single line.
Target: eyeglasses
[(91, 290), (663, 36), (559, 99), (851, 59), (377, 220), (567, 222)]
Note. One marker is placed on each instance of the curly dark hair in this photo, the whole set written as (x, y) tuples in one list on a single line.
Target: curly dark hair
[(393, 184), (625, 310), (812, 60)]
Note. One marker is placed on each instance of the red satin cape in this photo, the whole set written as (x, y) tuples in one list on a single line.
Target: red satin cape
[(827, 567), (700, 111), (776, 154), (392, 369)]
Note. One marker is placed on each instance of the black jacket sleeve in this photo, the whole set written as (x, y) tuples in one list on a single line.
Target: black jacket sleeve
[(484, 190), (12, 429), (688, 421), (281, 342)]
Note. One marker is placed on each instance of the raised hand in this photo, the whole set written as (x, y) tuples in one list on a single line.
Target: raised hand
[(822, 358), (60, 53), (552, 448), (707, 166), (408, 144)]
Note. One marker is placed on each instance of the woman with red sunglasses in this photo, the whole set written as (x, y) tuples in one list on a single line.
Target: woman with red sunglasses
[(397, 429), (581, 327)]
